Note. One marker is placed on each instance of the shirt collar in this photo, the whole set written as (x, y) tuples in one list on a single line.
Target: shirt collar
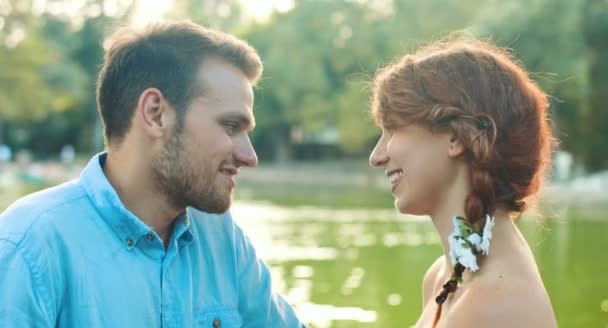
[(127, 227), (181, 229)]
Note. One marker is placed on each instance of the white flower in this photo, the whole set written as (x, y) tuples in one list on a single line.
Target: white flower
[(461, 251), (484, 247), (457, 222), (453, 240), (454, 244), (475, 239), (468, 259)]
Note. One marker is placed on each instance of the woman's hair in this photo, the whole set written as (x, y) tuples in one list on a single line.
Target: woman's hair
[(485, 97)]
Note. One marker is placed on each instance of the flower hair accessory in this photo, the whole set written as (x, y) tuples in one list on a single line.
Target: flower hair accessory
[(467, 242)]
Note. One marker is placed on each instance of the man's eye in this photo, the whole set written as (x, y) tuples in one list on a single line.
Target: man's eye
[(232, 127)]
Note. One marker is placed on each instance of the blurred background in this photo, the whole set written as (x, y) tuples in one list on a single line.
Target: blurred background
[(321, 218)]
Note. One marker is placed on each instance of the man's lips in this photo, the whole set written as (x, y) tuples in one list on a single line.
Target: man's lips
[(229, 171)]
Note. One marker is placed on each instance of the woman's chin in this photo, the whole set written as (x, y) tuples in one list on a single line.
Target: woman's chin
[(401, 206), (405, 207)]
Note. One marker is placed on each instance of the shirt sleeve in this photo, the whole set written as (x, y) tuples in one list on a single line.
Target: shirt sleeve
[(21, 296), (259, 305)]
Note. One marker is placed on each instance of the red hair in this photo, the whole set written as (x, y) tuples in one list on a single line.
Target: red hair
[(485, 97)]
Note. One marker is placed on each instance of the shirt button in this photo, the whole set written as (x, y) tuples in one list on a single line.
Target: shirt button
[(129, 242), (150, 237), (217, 323)]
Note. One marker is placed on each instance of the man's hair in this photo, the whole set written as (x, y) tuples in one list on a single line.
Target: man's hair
[(165, 56)]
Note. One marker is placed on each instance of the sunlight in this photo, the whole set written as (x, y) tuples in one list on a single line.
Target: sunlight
[(150, 11), (259, 10)]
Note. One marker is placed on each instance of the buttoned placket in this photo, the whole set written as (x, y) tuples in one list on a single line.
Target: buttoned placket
[(169, 311)]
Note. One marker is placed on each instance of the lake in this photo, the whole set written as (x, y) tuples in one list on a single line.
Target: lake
[(364, 267)]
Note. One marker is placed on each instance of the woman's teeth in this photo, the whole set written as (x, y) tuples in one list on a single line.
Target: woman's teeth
[(394, 177)]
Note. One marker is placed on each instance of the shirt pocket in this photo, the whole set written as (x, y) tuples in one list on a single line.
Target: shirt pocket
[(218, 318)]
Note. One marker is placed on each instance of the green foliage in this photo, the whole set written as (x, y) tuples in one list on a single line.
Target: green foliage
[(320, 56), (546, 36), (48, 78), (24, 92), (595, 27), (319, 59), (224, 15), (354, 123)]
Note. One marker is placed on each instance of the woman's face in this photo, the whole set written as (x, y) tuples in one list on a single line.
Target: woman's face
[(419, 164)]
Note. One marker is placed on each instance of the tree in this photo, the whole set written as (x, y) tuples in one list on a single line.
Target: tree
[(546, 36), (224, 15), (321, 55), (49, 75), (595, 27), (35, 80)]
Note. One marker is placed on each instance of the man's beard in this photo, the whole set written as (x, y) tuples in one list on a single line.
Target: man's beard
[(186, 181)]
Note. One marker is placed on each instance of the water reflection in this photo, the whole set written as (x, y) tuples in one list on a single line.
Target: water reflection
[(296, 241), (364, 268), (353, 281), (322, 315), (394, 299)]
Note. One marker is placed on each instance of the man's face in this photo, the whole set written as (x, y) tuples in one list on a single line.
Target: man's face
[(197, 165)]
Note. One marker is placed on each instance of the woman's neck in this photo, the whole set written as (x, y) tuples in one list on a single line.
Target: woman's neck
[(504, 232)]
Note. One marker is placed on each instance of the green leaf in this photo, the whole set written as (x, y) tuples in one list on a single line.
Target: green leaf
[(465, 230)]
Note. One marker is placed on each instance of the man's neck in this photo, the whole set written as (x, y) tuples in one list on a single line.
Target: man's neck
[(131, 178)]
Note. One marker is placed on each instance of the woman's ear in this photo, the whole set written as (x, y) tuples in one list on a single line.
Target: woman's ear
[(456, 147)]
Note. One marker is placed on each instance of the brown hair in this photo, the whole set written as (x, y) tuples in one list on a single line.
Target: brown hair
[(165, 56), (485, 97)]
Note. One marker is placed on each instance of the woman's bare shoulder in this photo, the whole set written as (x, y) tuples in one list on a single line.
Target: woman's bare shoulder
[(430, 279), (503, 302)]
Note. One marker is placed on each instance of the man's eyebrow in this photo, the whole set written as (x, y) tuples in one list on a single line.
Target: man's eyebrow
[(241, 118)]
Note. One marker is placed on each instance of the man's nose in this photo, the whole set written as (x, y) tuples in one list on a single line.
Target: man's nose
[(244, 152)]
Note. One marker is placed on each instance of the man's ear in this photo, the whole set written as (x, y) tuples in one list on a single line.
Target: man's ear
[(155, 113), (455, 148)]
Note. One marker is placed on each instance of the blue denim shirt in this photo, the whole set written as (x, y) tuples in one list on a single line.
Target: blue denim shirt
[(74, 256)]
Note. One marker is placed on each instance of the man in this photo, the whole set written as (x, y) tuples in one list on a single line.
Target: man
[(132, 242)]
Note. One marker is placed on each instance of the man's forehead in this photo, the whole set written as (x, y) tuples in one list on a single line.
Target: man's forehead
[(217, 77)]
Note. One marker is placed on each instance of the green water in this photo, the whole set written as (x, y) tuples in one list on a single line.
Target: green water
[(364, 268)]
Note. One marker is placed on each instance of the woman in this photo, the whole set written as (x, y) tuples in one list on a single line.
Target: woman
[(465, 140)]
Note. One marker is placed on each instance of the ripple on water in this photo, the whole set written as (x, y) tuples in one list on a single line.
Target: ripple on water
[(322, 315), (353, 281), (393, 299)]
